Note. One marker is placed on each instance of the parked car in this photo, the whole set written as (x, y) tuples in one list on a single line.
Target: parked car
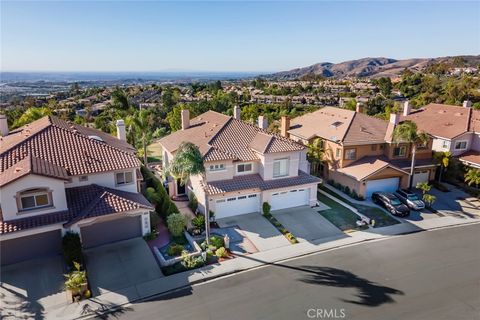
[(410, 199), (390, 202)]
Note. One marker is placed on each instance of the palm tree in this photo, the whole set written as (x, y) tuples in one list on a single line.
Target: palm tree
[(315, 153), (407, 132), (187, 162), (443, 158), (472, 177), (139, 126)]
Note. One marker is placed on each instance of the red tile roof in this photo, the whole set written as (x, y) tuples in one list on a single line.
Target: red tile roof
[(471, 157), (255, 181), (83, 202), (79, 150)]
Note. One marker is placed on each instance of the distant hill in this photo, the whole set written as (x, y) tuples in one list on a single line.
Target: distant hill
[(369, 67)]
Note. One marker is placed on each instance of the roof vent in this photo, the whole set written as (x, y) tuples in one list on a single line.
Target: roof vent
[(93, 137), (336, 124)]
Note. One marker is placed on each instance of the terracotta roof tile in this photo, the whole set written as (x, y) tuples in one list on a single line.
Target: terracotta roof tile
[(68, 146), (471, 157), (255, 181), (83, 202)]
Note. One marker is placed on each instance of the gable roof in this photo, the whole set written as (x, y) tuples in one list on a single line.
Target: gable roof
[(76, 149), (220, 137), (339, 125), (32, 165), (446, 121), (83, 202), (367, 166)]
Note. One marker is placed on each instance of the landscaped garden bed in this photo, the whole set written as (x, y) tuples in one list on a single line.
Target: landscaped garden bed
[(382, 219), (266, 213), (338, 215)]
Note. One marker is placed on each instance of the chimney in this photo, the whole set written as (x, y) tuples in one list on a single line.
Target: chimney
[(121, 133), (185, 119), (359, 107), (406, 108), (3, 125), (262, 122), (394, 119), (285, 125), (467, 104), (236, 112)]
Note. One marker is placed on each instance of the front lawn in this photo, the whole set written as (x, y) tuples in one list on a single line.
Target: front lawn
[(338, 215), (382, 219)]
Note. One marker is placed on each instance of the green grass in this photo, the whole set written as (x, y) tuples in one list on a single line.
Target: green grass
[(338, 215), (154, 152), (382, 219)]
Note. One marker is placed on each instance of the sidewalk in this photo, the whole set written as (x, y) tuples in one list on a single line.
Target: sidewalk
[(118, 300)]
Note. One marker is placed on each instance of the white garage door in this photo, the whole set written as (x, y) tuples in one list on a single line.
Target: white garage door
[(384, 185), (232, 206), (421, 176), (289, 199)]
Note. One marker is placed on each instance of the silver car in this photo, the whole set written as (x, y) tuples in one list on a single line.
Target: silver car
[(410, 199)]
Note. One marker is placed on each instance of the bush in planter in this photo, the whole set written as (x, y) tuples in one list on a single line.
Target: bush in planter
[(191, 262), (266, 209), (175, 249), (192, 202), (176, 223), (199, 221), (216, 241), (72, 249), (76, 281), (221, 252)]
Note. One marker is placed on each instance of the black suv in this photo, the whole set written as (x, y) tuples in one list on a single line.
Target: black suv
[(390, 202)]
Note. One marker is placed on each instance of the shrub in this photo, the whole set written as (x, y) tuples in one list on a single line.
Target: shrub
[(291, 237), (75, 279), (221, 252), (176, 223), (199, 221), (192, 202), (175, 249), (347, 190), (211, 214), (154, 219), (149, 236), (217, 241), (282, 230), (72, 249), (191, 262), (266, 208)]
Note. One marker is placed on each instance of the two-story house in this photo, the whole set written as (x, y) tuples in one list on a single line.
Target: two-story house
[(454, 128), (57, 177), (245, 165), (359, 151)]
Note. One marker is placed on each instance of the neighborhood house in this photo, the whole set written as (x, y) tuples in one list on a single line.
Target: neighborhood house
[(245, 165), (57, 177)]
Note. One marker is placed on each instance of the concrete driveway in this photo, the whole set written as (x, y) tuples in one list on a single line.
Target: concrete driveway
[(259, 230), (306, 223), (28, 288), (120, 265)]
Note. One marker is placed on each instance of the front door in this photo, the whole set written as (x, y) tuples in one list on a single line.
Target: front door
[(180, 188)]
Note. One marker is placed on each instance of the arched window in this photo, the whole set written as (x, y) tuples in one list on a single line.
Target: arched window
[(34, 199)]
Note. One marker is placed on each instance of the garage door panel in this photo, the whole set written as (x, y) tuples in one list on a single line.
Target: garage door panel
[(31, 247), (235, 205), (111, 231), (384, 185), (422, 176), (289, 198)]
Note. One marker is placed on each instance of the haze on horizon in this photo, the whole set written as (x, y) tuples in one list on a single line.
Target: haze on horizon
[(228, 36)]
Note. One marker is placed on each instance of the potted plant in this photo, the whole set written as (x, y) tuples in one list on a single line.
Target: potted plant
[(76, 283)]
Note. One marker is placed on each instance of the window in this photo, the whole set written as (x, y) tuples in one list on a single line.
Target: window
[(124, 177), (217, 167), (252, 196), (422, 145), (231, 199), (338, 153), (220, 201), (350, 154), (242, 197), (280, 168), (445, 144), (400, 151), (34, 199), (460, 145), (374, 147), (244, 167), (83, 178)]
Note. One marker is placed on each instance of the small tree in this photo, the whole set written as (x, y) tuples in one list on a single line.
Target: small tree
[(443, 158), (472, 177), (429, 199), (75, 280), (176, 223), (424, 186), (266, 209)]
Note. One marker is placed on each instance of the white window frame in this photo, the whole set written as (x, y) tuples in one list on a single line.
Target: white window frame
[(461, 142), (244, 165), (346, 152), (287, 168), (400, 155), (124, 183), (34, 193), (218, 167)]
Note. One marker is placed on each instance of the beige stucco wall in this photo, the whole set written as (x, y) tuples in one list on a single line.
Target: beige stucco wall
[(267, 164), (8, 196), (106, 179)]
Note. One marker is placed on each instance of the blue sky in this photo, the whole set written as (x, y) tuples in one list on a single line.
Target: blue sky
[(228, 36)]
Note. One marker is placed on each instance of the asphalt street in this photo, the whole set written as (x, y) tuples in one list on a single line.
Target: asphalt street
[(427, 275)]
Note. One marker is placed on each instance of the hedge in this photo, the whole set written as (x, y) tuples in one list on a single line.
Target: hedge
[(157, 195)]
